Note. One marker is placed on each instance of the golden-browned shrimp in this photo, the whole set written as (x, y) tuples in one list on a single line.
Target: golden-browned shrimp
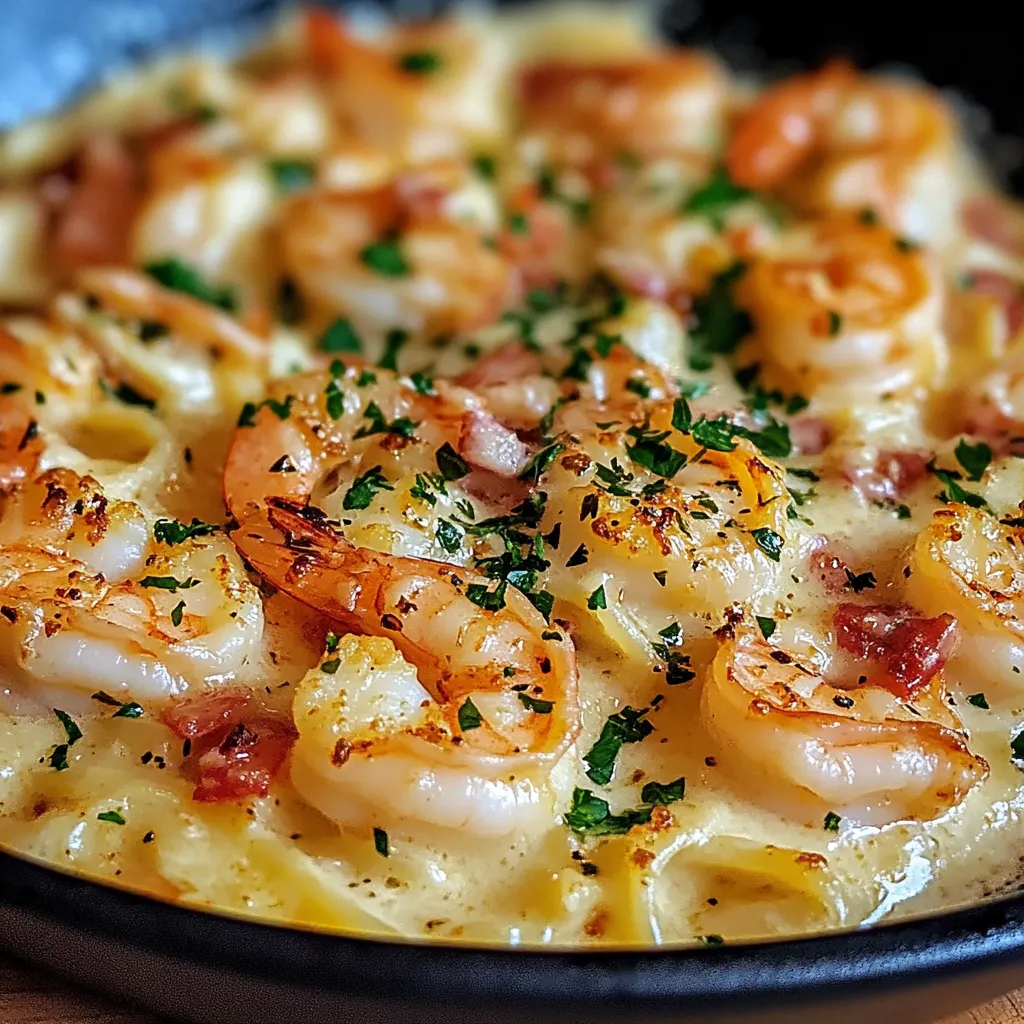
[(95, 600), (20, 443), (835, 139), (472, 743), (661, 105), (423, 92), (372, 258), (843, 304), (862, 753)]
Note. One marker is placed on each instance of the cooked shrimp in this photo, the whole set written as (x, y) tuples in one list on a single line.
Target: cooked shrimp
[(861, 752), (838, 140), (470, 743), (843, 304), (971, 565), (992, 405), (665, 104), (367, 256), (20, 443), (424, 91), (91, 601)]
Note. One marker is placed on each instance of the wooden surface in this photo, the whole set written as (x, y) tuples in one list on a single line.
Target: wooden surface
[(28, 997)]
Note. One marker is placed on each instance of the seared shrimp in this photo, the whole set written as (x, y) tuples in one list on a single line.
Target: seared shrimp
[(970, 564), (370, 257), (94, 598), (860, 752), (843, 304), (472, 742), (663, 105), (838, 140), (422, 92)]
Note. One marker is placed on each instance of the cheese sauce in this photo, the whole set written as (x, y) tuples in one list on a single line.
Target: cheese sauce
[(501, 480)]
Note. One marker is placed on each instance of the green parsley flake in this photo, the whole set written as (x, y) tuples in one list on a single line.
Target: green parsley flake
[(449, 536), (974, 458), (715, 197), (766, 625), (363, 489), (171, 531), (534, 704), (978, 700), (125, 709), (114, 817), (341, 336), (831, 823), (385, 258), (597, 600), (177, 613), (720, 324), (469, 716), (835, 323), (181, 277), (768, 541), (540, 462), (394, 342), (626, 726), (381, 843), (291, 175), (420, 62), (452, 465), (168, 583)]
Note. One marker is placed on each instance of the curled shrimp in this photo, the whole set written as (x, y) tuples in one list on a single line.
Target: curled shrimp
[(860, 752), (846, 304), (665, 104), (472, 743), (835, 139), (369, 257), (424, 91), (93, 601), (970, 564)]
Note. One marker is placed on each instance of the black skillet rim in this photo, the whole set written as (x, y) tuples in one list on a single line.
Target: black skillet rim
[(885, 956)]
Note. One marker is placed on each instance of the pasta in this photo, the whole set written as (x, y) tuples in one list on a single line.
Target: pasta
[(503, 480)]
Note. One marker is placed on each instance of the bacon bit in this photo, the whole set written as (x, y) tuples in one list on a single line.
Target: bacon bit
[(208, 713), (597, 923), (814, 861), (1007, 292), (487, 444), (893, 475), (245, 763), (643, 858), (997, 221), (810, 435), (92, 225), (911, 648)]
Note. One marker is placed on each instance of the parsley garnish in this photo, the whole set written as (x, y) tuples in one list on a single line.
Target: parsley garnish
[(578, 557), (469, 716), (59, 755), (485, 166), (540, 707), (597, 600), (978, 700), (715, 197), (171, 531), (401, 427), (341, 336), (1017, 750), (768, 541), (364, 487), (452, 465), (169, 583), (177, 612), (831, 823), (394, 342), (483, 597), (385, 258), (423, 384), (720, 325), (291, 175), (381, 843), (540, 462), (974, 458), (651, 452), (953, 490), (766, 625), (125, 709), (449, 536), (835, 323), (420, 62), (180, 277), (114, 817), (625, 726), (282, 410), (591, 815)]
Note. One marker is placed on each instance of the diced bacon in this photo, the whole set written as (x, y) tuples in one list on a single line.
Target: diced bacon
[(997, 221), (893, 475), (810, 435), (92, 225), (1007, 292), (487, 444), (909, 649), (245, 762), (208, 713)]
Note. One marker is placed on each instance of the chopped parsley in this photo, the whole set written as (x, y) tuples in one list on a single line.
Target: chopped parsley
[(1017, 750), (715, 198), (597, 600), (330, 666), (518, 223), (169, 583), (835, 323), (423, 384), (420, 62), (720, 324), (181, 277), (282, 410), (127, 394), (540, 462), (974, 458), (491, 600), (385, 258), (341, 336), (177, 612), (394, 342), (449, 536), (578, 557), (650, 451), (363, 489), (381, 843), (59, 754), (114, 817), (171, 531), (626, 726), (486, 166), (335, 400), (469, 716), (401, 427), (831, 822), (768, 541), (953, 490), (663, 793), (766, 625), (452, 465), (978, 700), (291, 175), (331, 641), (125, 709), (589, 814), (534, 704)]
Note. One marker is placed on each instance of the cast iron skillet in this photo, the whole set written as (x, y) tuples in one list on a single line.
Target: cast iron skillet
[(211, 968)]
